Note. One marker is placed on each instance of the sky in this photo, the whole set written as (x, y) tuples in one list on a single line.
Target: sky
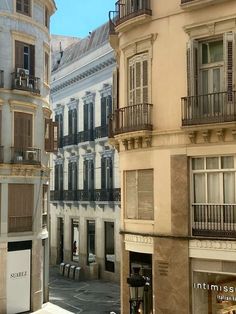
[(78, 17)]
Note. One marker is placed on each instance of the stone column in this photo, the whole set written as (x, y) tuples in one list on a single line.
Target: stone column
[(124, 275), (3, 267)]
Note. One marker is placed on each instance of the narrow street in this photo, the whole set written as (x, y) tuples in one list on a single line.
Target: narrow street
[(90, 297)]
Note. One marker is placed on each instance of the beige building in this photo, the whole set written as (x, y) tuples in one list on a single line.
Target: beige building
[(24, 157), (174, 126)]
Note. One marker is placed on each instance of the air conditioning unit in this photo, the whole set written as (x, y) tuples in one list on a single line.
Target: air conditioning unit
[(31, 155), (22, 72)]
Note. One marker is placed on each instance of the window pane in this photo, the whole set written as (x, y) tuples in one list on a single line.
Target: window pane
[(213, 188), (199, 188), (216, 51), (229, 188), (227, 162), (216, 80), (212, 163), (91, 241), (204, 53), (198, 163)]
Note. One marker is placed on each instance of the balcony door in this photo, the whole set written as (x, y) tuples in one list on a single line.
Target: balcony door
[(22, 130), (25, 57)]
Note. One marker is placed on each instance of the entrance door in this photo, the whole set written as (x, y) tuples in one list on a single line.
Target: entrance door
[(18, 281), (60, 240)]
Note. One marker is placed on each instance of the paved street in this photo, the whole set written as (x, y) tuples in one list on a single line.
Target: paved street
[(90, 297)]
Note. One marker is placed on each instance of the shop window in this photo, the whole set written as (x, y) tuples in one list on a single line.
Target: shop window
[(139, 198), (20, 207), (91, 257), (214, 293), (75, 240), (109, 247)]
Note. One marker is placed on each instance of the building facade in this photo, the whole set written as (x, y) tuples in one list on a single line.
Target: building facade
[(174, 127), (24, 157), (85, 196)]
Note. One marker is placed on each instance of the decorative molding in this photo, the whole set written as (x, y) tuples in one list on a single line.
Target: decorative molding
[(212, 245), (106, 90), (221, 135), (206, 136), (16, 104), (234, 134), (125, 143), (73, 104), (59, 109), (89, 97), (192, 137), (138, 239), (83, 75), (89, 156)]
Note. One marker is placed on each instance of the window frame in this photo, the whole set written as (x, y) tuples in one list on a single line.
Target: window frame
[(22, 4)]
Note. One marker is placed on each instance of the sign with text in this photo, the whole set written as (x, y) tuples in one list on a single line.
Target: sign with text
[(18, 281)]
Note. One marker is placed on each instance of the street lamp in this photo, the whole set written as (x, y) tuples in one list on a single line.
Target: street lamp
[(136, 289)]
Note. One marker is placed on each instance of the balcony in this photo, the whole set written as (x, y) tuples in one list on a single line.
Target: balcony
[(24, 82), (1, 79), (214, 220), (127, 13), (19, 223), (56, 195), (70, 139), (30, 156), (85, 195), (209, 108), (85, 136), (70, 195), (107, 195), (101, 131), (131, 119)]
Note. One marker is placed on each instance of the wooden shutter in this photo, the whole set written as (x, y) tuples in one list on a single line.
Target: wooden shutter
[(103, 111), (115, 89), (192, 68), (55, 136), (229, 51), (145, 81), (70, 122), (86, 125), (22, 130), (19, 54), (145, 194), (47, 142), (20, 207), (32, 60), (103, 173), (51, 136), (131, 194)]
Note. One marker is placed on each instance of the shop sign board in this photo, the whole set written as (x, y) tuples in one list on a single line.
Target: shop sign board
[(18, 281)]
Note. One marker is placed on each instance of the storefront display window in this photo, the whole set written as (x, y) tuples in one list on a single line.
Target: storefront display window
[(214, 293), (75, 240)]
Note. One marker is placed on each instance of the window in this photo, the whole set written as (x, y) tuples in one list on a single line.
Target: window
[(88, 175), (24, 57), (72, 121), (72, 176), (59, 120), (106, 109), (59, 176), (75, 240), (23, 6), (109, 247), (139, 194), (51, 136), (88, 122), (46, 67), (106, 173), (45, 206), (20, 207), (138, 79), (91, 258), (23, 130), (213, 195), (46, 17)]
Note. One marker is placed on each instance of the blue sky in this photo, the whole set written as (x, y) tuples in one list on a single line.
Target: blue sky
[(78, 17)]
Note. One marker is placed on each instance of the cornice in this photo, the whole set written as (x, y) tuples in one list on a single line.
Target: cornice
[(85, 74), (212, 245)]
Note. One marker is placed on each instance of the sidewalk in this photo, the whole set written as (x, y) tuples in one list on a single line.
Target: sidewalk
[(50, 308)]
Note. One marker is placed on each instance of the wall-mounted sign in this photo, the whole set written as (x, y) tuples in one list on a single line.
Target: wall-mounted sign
[(18, 281)]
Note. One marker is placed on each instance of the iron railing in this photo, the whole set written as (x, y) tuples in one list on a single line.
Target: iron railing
[(70, 195), (27, 155), (101, 131), (70, 139), (27, 83), (1, 78), (85, 136), (209, 108), (125, 10), (56, 195), (214, 220), (131, 118), (107, 195)]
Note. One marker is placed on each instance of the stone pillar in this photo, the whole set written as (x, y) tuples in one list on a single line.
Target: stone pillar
[(3, 267), (37, 276), (171, 276), (124, 275)]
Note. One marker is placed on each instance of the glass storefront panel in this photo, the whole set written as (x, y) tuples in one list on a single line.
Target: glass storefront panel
[(214, 293)]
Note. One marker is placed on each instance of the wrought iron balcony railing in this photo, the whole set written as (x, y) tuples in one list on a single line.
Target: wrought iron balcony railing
[(70, 139), (214, 220), (107, 195), (85, 136), (1, 78), (126, 10), (27, 155), (210, 108), (101, 131), (56, 195), (70, 195), (25, 82), (130, 119)]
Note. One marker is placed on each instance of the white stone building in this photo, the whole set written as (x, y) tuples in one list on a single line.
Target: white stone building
[(85, 197), (24, 169)]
